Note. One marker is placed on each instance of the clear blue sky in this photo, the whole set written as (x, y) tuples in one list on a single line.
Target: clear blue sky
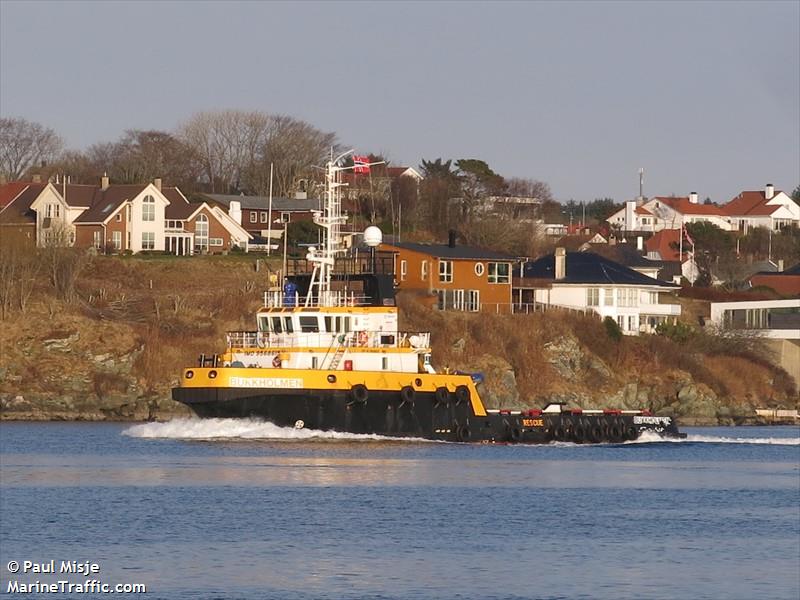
[(704, 95)]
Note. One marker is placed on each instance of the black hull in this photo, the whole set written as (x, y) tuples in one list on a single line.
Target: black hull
[(421, 416)]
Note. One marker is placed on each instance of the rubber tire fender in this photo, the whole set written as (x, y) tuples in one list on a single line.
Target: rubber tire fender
[(463, 434), (596, 434), (462, 394), (579, 434), (615, 433), (514, 434), (359, 392), (407, 393), (442, 395), (631, 433)]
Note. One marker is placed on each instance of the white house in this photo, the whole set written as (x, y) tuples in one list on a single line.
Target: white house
[(589, 282), (768, 208), (667, 212)]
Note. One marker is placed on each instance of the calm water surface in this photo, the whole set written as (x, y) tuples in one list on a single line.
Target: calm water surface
[(239, 509)]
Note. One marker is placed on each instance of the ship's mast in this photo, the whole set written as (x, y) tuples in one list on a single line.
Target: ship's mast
[(330, 220)]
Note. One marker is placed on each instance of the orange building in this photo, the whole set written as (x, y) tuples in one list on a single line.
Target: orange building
[(458, 277)]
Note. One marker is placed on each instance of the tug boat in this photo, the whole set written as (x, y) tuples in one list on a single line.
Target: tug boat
[(328, 354)]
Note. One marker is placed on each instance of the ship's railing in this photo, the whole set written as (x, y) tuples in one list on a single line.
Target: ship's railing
[(279, 299), (351, 339)]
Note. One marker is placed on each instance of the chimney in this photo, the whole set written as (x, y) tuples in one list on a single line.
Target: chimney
[(693, 197), (36, 178), (770, 191), (561, 263), (639, 243), (630, 215), (451, 238), (104, 182), (157, 183), (235, 211)]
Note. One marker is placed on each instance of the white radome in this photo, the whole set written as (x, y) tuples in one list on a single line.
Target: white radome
[(373, 236)]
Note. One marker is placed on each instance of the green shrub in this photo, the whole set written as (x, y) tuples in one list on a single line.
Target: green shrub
[(612, 329)]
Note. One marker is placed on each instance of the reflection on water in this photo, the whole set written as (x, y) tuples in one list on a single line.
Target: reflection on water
[(312, 518)]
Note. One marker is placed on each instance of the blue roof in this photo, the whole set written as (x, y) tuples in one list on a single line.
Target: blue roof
[(591, 268)]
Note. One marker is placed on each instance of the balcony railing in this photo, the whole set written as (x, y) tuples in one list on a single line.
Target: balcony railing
[(352, 339)]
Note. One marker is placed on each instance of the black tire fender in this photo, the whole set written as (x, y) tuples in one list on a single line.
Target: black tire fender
[(462, 393), (463, 434), (407, 393), (359, 392), (442, 395)]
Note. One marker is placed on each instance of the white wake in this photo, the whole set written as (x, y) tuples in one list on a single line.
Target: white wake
[(650, 437), (240, 429)]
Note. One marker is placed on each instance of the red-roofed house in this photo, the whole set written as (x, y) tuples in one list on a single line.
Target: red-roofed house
[(664, 245), (667, 212), (767, 208)]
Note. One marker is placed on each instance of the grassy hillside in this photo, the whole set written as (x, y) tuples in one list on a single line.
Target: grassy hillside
[(111, 345)]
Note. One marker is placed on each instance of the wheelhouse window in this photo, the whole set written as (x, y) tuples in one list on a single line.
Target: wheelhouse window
[(499, 273), (309, 324), (403, 270), (446, 271), (149, 209)]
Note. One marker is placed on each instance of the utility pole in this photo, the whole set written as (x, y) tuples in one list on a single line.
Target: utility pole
[(269, 213)]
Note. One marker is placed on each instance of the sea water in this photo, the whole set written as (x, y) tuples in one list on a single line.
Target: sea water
[(235, 509)]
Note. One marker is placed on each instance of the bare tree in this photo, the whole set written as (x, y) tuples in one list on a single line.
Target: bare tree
[(139, 156), (25, 144), (294, 148), (226, 144), (529, 188)]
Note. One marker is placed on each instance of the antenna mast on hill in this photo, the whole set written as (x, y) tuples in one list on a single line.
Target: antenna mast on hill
[(641, 183)]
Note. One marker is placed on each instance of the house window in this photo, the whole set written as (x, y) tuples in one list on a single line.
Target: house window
[(116, 239), (424, 270), (216, 242), (97, 239), (609, 297), (446, 271), (479, 269), (53, 211), (201, 233), (631, 322), (253, 217), (499, 273), (627, 297), (119, 217), (592, 297), (149, 209), (129, 240), (263, 217), (403, 269), (473, 300), (148, 240)]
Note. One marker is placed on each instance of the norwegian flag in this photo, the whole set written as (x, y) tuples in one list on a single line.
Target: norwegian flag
[(360, 164), (687, 237)]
